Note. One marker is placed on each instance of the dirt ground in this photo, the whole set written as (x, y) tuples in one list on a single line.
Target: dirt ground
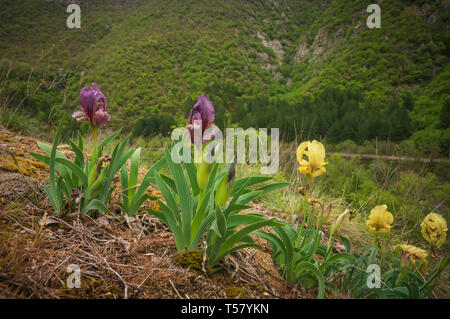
[(118, 257)]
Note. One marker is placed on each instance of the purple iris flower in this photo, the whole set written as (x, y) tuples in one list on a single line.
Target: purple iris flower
[(202, 114), (93, 107)]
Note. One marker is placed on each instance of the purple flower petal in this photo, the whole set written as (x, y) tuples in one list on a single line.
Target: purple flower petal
[(190, 129), (210, 133), (202, 113), (79, 116), (101, 118), (203, 110)]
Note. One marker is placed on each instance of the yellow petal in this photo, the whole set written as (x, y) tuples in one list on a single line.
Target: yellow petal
[(316, 154), (441, 240), (301, 151), (319, 171)]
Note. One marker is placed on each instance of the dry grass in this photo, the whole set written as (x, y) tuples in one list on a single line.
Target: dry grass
[(118, 259)]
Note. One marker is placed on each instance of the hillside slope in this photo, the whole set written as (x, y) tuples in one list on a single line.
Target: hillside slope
[(153, 57)]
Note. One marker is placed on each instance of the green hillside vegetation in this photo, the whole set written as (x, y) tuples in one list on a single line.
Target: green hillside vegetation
[(310, 67)]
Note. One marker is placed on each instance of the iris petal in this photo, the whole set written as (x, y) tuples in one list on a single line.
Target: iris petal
[(101, 118), (210, 133), (202, 112), (231, 172), (79, 116)]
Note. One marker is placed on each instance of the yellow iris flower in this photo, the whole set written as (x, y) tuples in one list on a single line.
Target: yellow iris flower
[(314, 165), (413, 254), (434, 228), (380, 220)]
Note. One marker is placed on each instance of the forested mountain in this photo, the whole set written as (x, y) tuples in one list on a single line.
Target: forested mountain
[(311, 67)]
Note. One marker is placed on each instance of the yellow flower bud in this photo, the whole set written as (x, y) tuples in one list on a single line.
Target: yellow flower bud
[(434, 228), (339, 221), (380, 220), (222, 193)]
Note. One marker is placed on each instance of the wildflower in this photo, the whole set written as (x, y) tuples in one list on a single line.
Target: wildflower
[(434, 228), (201, 118), (315, 165), (380, 220), (412, 253), (226, 186), (93, 107)]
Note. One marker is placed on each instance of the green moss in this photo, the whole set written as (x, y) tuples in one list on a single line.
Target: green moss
[(192, 259), (25, 166), (234, 293)]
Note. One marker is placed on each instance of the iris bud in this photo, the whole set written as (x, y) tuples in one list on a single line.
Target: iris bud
[(203, 172), (226, 186)]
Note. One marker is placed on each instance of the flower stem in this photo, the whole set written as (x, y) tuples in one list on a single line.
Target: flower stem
[(403, 274), (94, 133), (304, 217)]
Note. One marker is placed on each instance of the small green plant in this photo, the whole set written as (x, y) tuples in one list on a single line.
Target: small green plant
[(133, 194), (88, 176), (223, 236), (180, 204), (92, 180), (190, 213), (302, 259), (396, 282), (300, 256), (196, 199)]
